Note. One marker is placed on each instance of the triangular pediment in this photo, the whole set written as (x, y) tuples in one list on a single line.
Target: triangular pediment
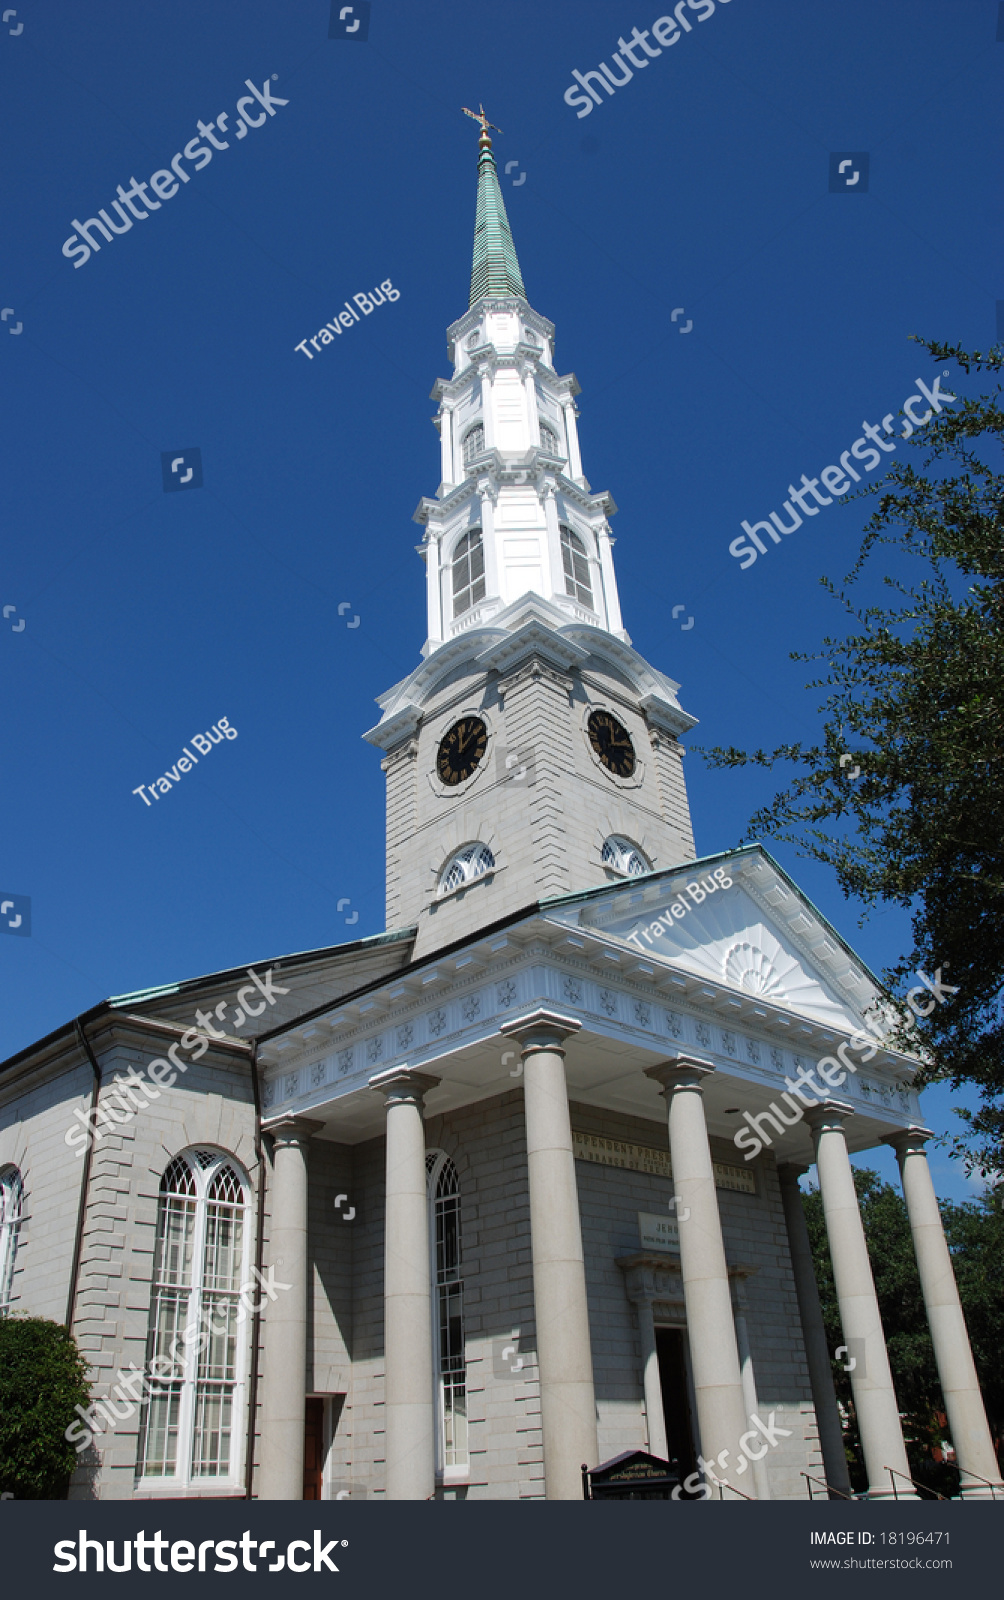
[(739, 924)]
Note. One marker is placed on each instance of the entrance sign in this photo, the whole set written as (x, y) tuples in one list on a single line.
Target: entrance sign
[(658, 1233)]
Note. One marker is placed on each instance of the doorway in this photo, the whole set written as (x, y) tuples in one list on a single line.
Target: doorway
[(313, 1449), (671, 1354)]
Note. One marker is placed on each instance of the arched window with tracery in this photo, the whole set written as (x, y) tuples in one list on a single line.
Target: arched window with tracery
[(620, 855), (468, 572), (11, 1207), (576, 564), (464, 866), (196, 1343), (448, 1317)]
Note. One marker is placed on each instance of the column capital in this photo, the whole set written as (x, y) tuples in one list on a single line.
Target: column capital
[(402, 1086), (828, 1114), (681, 1072), (542, 1029), (291, 1130), (909, 1141)]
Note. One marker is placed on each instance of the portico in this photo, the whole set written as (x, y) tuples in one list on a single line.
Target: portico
[(547, 1030)]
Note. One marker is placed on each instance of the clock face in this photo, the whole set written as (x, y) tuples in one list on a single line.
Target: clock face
[(612, 743), (461, 750)]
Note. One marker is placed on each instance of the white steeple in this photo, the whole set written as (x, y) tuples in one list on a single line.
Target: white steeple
[(513, 512), (533, 752)]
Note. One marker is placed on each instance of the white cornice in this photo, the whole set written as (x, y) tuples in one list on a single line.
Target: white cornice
[(430, 1018), (528, 624)]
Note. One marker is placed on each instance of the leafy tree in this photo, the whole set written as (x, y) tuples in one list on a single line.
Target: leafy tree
[(915, 695), (43, 1377), (975, 1233)]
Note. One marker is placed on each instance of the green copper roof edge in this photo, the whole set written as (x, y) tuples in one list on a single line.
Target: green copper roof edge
[(137, 996)]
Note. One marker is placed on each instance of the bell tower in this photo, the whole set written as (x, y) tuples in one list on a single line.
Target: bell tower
[(533, 752)]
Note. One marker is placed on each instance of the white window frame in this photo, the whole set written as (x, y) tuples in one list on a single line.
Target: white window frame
[(551, 443), (204, 1163), (471, 539), (458, 1470), (11, 1217), (572, 544), (470, 445)]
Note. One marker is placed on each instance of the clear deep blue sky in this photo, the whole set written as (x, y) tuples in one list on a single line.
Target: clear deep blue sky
[(703, 183)]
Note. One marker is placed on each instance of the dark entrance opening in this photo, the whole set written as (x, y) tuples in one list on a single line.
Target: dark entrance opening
[(676, 1399), (313, 1450)]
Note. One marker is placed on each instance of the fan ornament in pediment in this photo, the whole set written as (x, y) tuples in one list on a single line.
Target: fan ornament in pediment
[(748, 969)]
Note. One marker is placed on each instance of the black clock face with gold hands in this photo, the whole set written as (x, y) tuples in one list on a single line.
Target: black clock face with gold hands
[(612, 743), (461, 750)]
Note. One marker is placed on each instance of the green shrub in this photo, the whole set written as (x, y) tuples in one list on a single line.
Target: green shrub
[(43, 1377)]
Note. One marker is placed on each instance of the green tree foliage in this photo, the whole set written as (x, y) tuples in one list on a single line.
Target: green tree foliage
[(914, 693), (43, 1377), (975, 1233)]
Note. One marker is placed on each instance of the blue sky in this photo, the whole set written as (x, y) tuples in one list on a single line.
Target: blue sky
[(702, 184)]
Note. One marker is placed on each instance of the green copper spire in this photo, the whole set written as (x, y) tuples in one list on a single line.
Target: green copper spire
[(495, 269)]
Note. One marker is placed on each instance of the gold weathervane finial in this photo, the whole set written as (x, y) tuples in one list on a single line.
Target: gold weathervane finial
[(484, 143)]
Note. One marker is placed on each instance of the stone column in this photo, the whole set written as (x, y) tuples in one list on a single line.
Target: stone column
[(657, 1442), (409, 1407), (285, 1366), (714, 1356), (967, 1420), (564, 1358), (871, 1379), (750, 1400), (817, 1355)]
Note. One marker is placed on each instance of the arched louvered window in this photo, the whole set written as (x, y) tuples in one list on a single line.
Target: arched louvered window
[(473, 861), (474, 443), (576, 564), (620, 855), (197, 1339), (549, 440), (11, 1206), (448, 1317), (468, 572)]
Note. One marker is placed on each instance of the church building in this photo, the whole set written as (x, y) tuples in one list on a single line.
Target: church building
[(459, 1209)]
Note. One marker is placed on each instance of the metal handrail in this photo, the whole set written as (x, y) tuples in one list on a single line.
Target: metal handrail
[(829, 1487), (723, 1483), (993, 1487), (906, 1477)]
